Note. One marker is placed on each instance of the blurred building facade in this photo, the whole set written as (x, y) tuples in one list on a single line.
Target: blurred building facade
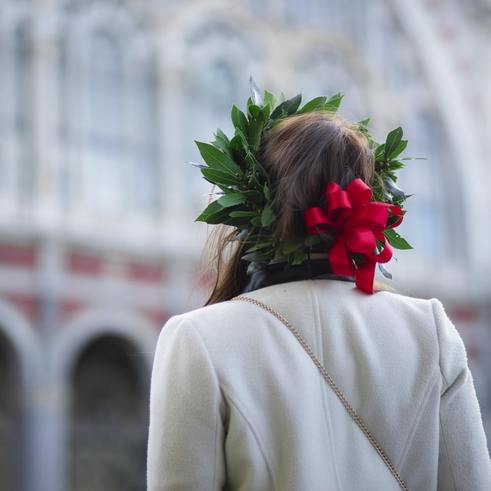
[(100, 101)]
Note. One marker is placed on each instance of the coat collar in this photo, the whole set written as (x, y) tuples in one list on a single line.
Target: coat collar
[(277, 273)]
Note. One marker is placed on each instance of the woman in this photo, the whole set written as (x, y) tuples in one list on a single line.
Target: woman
[(237, 402)]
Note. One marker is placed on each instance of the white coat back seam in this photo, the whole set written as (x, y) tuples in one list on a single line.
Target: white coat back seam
[(417, 417), (234, 402), (200, 337)]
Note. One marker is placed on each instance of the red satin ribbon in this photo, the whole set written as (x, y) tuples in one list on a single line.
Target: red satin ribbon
[(357, 223)]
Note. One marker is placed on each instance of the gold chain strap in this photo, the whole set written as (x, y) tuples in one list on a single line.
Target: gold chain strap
[(354, 415)]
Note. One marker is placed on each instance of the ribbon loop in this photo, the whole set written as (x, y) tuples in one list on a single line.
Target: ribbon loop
[(338, 202), (358, 225), (359, 192)]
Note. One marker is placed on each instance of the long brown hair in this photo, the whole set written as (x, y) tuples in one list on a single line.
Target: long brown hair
[(300, 154)]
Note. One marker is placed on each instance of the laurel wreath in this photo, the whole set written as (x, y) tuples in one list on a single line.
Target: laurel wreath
[(244, 198)]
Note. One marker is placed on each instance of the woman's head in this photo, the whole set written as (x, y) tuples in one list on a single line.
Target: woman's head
[(300, 154), (304, 152)]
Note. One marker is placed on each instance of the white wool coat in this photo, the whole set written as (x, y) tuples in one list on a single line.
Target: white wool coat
[(236, 403)]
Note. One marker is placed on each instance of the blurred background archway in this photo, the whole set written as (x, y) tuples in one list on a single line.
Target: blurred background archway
[(108, 417)]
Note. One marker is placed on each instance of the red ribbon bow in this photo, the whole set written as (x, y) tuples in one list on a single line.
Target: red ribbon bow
[(357, 223)]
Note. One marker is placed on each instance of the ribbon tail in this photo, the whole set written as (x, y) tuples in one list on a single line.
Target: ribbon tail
[(339, 259), (365, 274)]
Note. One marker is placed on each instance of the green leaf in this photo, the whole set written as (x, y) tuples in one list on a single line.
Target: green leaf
[(398, 150), (236, 222), (312, 105), (269, 100), (392, 142), (212, 208), (218, 160), (259, 171), (396, 165), (236, 147), (253, 111), (334, 102), (218, 177), (254, 196), (221, 141), (379, 151), (256, 126), (257, 256), (291, 246), (363, 125), (243, 213), (231, 199), (287, 108), (256, 247), (299, 257), (293, 104), (395, 240), (244, 142), (219, 217), (239, 119), (267, 216), (212, 214), (256, 221)]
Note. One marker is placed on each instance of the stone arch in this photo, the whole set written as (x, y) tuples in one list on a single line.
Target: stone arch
[(129, 341), (25, 343), (19, 369), (93, 323), (108, 405)]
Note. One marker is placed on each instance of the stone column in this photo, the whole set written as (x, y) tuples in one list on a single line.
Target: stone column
[(46, 457)]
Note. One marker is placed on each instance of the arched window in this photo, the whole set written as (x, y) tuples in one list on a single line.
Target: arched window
[(108, 409), (109, 117), (10, 437)]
